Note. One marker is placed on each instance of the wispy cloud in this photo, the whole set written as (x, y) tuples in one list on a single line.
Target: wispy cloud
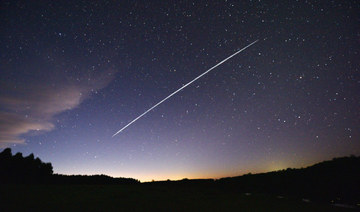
[(31, 106)]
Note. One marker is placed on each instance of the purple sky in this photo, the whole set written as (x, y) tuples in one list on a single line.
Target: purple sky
[(73, 73)]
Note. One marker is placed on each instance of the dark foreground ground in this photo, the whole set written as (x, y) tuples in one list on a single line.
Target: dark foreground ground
[(143, 197)]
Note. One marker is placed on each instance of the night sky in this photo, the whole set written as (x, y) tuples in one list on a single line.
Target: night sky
[(72, 73)]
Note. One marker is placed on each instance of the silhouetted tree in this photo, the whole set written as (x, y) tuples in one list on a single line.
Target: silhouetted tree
[(19, 169), (6, 154)]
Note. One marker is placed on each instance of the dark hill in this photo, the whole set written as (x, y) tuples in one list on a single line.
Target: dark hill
[(336, 181)]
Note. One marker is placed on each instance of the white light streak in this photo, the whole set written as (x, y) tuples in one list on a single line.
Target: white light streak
[(184, 86)]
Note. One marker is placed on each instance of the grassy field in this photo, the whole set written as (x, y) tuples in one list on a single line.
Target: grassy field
[(144, 198)]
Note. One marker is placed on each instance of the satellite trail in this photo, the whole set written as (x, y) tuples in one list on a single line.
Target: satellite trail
[(223, 61)]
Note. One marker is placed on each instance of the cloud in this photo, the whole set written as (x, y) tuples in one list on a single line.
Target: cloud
[(12, 125), (27, 107)]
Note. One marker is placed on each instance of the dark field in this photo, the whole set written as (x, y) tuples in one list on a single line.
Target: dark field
[(145, 197)]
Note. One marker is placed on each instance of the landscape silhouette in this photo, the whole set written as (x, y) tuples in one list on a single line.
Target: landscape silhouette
[(318, 187)]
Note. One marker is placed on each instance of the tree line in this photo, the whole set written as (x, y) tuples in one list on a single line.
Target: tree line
[(28, 170), (19, 169)]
